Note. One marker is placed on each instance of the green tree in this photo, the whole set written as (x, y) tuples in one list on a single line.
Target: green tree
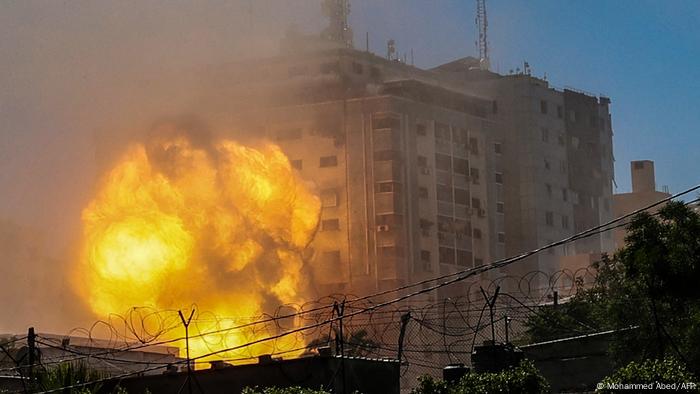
[(524, 378), (652, 284), (651, 372)]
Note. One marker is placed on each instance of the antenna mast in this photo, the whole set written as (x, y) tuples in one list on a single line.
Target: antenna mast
[(482, 26), (338, 30)]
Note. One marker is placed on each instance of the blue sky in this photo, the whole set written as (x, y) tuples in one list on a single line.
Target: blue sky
[(644, 55)]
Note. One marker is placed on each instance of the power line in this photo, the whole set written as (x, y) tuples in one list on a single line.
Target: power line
[(458, 276)]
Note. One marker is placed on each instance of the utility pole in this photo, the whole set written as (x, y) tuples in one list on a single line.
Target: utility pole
[(340, 339), (31, 347)]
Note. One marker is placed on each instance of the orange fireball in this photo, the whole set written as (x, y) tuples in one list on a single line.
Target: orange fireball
[(222, 226)]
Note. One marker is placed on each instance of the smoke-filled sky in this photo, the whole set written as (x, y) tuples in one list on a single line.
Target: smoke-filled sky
[(75, 72)]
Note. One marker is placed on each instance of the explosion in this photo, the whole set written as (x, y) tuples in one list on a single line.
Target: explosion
[(223, 226)]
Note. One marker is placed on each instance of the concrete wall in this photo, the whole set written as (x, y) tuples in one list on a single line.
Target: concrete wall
[(573, 364), (331, 373)]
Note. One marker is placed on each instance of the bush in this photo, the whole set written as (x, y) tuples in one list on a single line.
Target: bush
[(524, 378), (282, 390), (650, 373)]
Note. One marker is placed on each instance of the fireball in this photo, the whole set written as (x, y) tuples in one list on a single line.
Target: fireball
[(222, 226)]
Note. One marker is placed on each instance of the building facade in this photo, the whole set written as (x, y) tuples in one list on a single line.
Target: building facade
[(556, 150), (400, 160)]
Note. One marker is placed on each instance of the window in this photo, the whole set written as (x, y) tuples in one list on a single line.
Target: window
[(296, 164), (476, 233), (420, 129), (494, 106), (543, 106), (388, 187), (501, 238), (461, 196), (386, 122), (422, 161), (474, 174), (443, 162), (572, 116), (547, 166), (389, 219), (561, 139), (549, 190), (329, 198), (500, 207), (564, 194), (422, 192), (330, 225), (560, 112), (461, 166), (562, 166), (499, 178), (444, 193), (549, 218), (447, 255), (564, 222), (331, 257), (445, 224), (545, 134), (464, 258), (498, 148), (476, 203), (329, 161)]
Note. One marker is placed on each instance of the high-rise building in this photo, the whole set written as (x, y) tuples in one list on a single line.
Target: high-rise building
[(402, 159), (556, 151), (425, 172)]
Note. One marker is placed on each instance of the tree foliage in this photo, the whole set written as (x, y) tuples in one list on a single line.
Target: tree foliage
[(524, 378), (667, 371), (652, 284)]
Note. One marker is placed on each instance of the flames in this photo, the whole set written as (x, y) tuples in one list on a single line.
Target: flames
[(220, 225)]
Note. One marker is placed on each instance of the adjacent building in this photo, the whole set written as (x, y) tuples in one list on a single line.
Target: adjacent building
[(643, 193), (556, 150)]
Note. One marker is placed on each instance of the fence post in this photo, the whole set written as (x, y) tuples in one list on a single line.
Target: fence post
[(404, 322)]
